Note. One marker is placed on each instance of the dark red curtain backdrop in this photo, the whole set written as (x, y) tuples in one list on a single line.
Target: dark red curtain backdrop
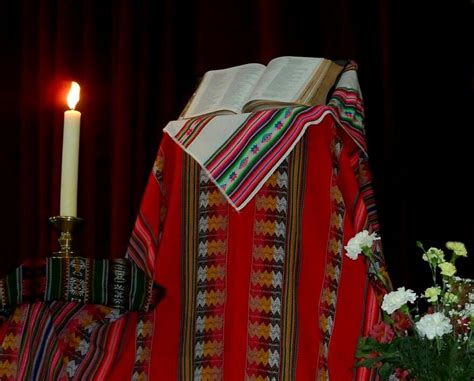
[(138, 63)]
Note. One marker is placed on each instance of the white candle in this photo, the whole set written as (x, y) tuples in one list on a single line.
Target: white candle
[(70, 158)]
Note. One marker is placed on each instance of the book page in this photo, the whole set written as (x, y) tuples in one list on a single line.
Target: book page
[(285, 78), (226, 89)]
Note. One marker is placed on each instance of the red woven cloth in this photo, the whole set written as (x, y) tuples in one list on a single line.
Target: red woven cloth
[(264, 293)]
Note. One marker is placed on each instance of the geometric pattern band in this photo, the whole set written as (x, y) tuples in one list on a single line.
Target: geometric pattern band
[(116, 283)]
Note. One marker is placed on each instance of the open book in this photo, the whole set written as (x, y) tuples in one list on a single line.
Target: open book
[(252, 87)]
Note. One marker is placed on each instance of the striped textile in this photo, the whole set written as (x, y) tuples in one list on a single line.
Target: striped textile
[(273, 298), (59, 341), (271, 343), (144, 241), (204, 266), (60, 314), (117, 283), (333, 266), (347, 106), (240, 152), (366, 218)]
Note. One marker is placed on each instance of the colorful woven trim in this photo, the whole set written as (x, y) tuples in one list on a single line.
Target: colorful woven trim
[(273, 315), (10, 343), (333, 268), (117, 283), (204, 267), (143, 345), (256, 149)]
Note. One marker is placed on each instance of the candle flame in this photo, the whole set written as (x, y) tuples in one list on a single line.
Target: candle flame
[(73, 96)]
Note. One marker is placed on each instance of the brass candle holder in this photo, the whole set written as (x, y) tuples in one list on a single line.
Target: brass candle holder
[(66, 225)]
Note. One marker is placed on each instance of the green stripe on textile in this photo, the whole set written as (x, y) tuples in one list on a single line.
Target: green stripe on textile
[(270, 128), (54, 279), (189, 138), (14, 287), (138, 289), (100, 275), (116, 283), (133, 286)]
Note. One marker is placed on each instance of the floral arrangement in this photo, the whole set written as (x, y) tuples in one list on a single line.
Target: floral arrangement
[(408, 344)]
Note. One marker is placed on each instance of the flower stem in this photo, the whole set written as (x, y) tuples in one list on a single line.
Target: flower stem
[(382, 279)]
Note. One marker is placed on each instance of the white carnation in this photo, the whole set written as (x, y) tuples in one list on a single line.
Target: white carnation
[(358, 242), (395, 299), (433, 325), (352, 249)]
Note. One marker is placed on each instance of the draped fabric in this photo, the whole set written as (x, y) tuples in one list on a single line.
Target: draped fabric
[(264, 292), (261, 293)]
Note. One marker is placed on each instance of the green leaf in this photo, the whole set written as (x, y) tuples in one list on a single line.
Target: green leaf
[(385, 371), (369, 363)]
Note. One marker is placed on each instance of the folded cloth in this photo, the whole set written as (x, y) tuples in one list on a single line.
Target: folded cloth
[(240, 152), (116, 283)]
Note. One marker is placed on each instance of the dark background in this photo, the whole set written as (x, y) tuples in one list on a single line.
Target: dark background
[(138, 63)]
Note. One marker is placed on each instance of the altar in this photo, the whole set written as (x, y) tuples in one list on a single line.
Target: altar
[(218, 285)]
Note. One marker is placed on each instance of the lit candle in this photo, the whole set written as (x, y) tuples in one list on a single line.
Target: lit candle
[(70, 159)]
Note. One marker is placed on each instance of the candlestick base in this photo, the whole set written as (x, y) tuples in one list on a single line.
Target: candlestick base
[(66, 225)]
